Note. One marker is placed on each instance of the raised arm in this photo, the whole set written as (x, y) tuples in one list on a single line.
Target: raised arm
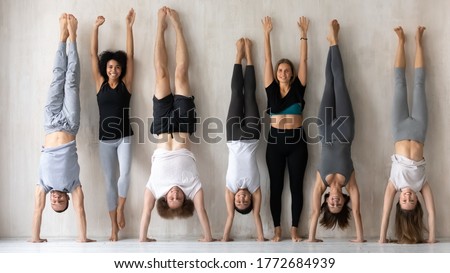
[(202, 216), (303, 24), (229, 201), (268, 67), (429, 203), (78, 204), (353, 191), (387, 206), (128, 79), (94, 53), (257, 197), (319, 189), (149, 204), (39, 205)]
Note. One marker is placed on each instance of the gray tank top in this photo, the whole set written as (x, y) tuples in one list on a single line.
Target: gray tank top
[(59, 169), (336, 158)]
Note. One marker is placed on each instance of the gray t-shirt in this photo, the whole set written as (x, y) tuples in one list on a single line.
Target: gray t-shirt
[(59, 169)]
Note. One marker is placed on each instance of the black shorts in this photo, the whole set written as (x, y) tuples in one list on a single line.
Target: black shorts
[(173, 114)]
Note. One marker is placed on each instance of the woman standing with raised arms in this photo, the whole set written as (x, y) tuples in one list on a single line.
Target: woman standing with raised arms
[(286, 140), (113, 73)]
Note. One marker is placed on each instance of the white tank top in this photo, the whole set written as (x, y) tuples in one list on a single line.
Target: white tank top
[(407, 173), (242, 171), (173, 168)]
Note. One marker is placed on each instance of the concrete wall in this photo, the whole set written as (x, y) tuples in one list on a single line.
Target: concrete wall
[(29, 36)]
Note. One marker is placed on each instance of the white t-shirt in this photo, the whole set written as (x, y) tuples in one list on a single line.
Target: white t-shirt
[(173, 168), (407, 173), (242, 169)]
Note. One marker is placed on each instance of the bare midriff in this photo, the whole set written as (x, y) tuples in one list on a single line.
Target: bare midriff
[(410, 149), (173, 141), (57, 139), (286, 121)]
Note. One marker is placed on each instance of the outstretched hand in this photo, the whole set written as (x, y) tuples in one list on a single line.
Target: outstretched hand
[(303, 24), (130, 17), (267, 24)]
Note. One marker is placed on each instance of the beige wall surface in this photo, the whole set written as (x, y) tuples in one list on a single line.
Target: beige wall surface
[(29, 36)]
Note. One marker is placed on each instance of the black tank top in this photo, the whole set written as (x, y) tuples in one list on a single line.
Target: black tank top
[(114, 108)]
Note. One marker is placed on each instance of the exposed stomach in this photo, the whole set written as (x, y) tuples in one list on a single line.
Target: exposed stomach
[(173, 141), (57, 139), (410, 149), (286, 121)]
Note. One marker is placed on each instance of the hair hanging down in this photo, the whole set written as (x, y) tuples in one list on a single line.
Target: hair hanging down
[(329, 220), (185, 211), (409, 227), (284, 61), (104, 57)]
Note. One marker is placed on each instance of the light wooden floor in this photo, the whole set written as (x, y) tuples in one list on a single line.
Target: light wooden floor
[(191, 245), (18, 255)]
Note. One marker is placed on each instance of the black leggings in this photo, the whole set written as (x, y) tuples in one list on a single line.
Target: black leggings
[(286, 146), (243, 122)]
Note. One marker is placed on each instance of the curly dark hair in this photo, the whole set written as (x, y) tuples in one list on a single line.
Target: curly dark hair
[(107, 55), (409, 226), (247, 210), (329, 220), (185, 211)]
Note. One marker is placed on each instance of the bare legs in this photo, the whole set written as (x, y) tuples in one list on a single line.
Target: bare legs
[(400, 61), (161, 60), (400, 56), (162, 88)]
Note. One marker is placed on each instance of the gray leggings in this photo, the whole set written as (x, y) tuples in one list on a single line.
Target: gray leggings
[(113, 152), (336, 111), (410, 126), (62, 111)]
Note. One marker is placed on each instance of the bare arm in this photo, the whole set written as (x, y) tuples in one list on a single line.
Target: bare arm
[(387, 206), (128, 79), (257, 197), (78, 204), (268, 68), (149, 203), (429, 203), (229, 201), (39, 205), (319, 189), (202, 216), (94, 53), (303, 24), (353, 190)]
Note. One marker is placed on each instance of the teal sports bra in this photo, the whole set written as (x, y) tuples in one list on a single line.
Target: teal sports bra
[(294, 109)]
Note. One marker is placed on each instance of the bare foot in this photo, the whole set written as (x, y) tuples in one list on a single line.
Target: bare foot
[(162, 18), (72, 25), (400, 33), (120, 218), (64, 33), (333, 34), (277, 235), (419, 34), (248, 51), (114, 233), (294, 235), (240, 54), (174, 18)]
